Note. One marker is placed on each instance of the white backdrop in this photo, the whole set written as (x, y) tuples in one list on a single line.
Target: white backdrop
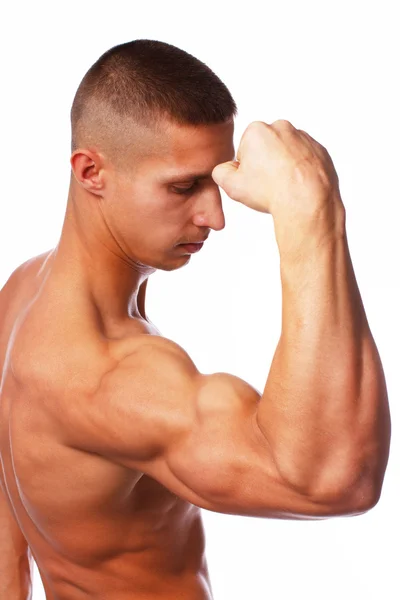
[(329, 67)]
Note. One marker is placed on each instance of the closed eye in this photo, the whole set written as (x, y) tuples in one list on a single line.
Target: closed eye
[(184, 190)]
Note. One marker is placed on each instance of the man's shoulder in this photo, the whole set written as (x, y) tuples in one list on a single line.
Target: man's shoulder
[(150, 354), (15, 292), (141, 399), (144, 366), (19, 274)]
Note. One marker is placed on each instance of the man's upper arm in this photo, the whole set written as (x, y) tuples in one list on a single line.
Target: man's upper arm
[(196, 434), (15, 566)]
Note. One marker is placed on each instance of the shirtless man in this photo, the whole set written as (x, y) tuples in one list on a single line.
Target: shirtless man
[(111, 440)]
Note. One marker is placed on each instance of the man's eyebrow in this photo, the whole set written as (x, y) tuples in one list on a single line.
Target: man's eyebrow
[(183, 177)]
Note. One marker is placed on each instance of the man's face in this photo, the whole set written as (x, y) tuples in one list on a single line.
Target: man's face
[(167, 197)]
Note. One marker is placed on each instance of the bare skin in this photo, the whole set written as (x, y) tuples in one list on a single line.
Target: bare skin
[(111, 440), (96, 527), (92, 525)]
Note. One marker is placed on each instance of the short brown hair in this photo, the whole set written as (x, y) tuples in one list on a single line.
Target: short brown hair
[(143, 82)]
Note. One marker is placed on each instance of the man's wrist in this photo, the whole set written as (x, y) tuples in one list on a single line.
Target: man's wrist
[(297, 236)]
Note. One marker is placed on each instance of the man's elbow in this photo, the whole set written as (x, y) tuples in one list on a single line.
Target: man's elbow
[(366, 497), (351, 500)]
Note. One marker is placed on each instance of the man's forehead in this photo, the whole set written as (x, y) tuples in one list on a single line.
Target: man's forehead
[(191, 152)]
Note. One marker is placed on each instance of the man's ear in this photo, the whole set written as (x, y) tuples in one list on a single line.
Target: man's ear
[(88, 171)]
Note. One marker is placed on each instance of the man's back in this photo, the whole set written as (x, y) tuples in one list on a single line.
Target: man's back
[(95, 528)]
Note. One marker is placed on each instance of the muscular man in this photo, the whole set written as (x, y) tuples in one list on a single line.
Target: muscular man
[(111, 439)]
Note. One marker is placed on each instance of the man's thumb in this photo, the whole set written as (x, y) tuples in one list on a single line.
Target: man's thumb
[(224, 174)]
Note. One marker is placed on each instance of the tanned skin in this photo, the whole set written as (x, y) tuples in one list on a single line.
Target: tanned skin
[(92, 523), (111, 440)]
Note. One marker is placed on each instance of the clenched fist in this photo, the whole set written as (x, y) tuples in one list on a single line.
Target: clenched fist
[(280, 170)]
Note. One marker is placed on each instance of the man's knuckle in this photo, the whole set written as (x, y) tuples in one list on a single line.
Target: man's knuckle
[(284, 124)]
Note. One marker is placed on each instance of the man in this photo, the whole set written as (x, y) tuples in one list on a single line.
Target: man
[(111, 440)]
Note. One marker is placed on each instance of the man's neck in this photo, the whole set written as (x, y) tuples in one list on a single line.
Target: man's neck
[(93, 264)]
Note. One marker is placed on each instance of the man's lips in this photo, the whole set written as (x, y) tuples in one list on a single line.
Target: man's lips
[(193, 247), (187, 243), (199, 242)]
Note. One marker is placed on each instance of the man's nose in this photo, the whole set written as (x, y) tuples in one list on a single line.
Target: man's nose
[(209, 211)]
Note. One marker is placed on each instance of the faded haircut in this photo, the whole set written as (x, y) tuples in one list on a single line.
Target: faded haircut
[(139, 86)]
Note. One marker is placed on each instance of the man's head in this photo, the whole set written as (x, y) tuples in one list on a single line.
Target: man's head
[(148, 119)]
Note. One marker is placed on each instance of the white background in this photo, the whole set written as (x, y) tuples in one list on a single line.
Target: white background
[(332, 69)]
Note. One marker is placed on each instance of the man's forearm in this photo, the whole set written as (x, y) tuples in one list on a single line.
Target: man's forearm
[(326, 392)]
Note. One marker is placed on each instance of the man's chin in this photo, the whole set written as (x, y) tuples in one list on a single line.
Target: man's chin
[(175, 259)]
